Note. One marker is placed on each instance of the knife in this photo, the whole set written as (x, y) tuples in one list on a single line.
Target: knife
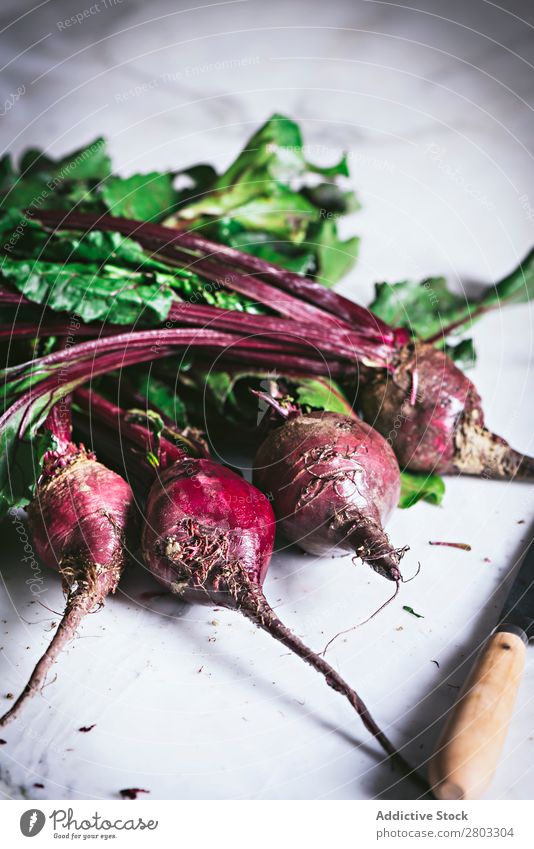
[(471, 742)]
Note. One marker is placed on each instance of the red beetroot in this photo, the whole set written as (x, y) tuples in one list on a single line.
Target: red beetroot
[(79, 518), (443, 429), (208, 537), (334, 482), (431, 414)]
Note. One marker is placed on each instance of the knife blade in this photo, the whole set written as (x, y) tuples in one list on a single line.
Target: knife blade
[(518, 609), (472, 739)]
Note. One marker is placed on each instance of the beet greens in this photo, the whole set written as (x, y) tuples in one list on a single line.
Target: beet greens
[(80, 518)]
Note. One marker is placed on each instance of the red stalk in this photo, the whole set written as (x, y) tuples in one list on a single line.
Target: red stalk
[(326, 304), (90, 359), (332, 341)]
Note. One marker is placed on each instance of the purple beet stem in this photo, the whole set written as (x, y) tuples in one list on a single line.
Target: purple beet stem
[(252, 602), (319, 303), (99, 356), (334, 342)]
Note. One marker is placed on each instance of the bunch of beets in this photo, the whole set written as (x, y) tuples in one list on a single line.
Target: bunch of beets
[(327, 480)]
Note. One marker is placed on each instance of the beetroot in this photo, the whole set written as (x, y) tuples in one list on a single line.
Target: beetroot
[(431, 414), (206, 528), (208, 537), (334, 482), (79, 518)]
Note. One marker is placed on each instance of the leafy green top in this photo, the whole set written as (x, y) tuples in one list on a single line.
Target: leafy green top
[(272, 202), (430, 310)]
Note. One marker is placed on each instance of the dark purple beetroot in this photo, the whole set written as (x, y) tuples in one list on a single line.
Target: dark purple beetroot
[(432, 416), (334, 482), (79, 519)]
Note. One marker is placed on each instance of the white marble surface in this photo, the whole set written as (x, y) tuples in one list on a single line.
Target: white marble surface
[(435, 107)]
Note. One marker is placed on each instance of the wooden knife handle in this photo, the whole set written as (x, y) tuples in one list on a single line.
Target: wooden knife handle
[(473, 737)]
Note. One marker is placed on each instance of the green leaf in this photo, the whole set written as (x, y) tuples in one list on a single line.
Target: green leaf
[(429, 308), (21, 453), (516, 288), (412, 611), (233, 301), (425, 308), (35, 161), (147, 418), (91, 162), (30, 390), (335, 257), (198, 179), (160, 396), (271, 189), (27, 193), (218, 385), (281, 212), (222, 395), (97, 246), (152, 459), (26, 238), (127, 285), (144, 197), (321, 394), (276, 148), (62, 183), (463, 353), (20, 469), (300, 261), (219, 203), (298, 258), (415, 487), (340, 169), (228, 395), (7, 172), (284, 214), (331, 198)]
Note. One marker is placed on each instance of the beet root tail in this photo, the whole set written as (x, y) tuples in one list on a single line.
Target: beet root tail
[(525, 469), (79, 604), (483, 453), (253, 604)]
